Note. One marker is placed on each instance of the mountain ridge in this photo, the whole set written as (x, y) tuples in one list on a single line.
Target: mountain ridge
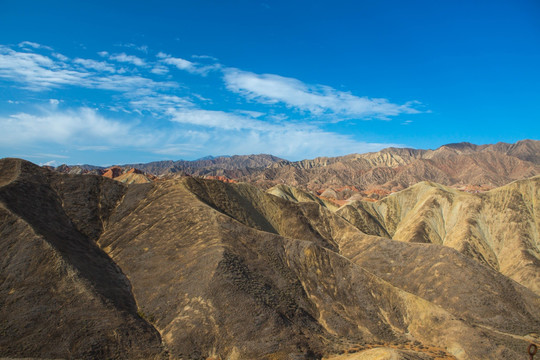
[(373, 175), (209, 269)]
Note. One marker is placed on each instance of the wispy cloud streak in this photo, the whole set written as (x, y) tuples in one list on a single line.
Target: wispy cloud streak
[(131, 59), (39, 72), (315, 99), (189, 66), (33, 45)]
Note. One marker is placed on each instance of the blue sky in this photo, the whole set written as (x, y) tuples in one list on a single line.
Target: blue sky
[(120, 82)]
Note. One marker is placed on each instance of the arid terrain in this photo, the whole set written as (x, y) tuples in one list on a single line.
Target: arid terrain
[(370, 176), (260, 260)]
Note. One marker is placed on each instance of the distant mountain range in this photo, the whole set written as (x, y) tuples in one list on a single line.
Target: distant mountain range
[(212, 166), (362, 176)]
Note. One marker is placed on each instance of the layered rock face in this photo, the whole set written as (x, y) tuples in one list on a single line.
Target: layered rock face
[(375, 175), (201, 269), (369, 176)]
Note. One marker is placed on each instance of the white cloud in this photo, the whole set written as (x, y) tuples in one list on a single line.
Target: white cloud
[(189, 148), (60, 57), (235, 133), (315, 99), (126, 84), (292, 144), (189, 66), (38, 72), (180, 126), (69, 127), (132, 59), (95, 65), (160, 103), (33, 45), (180, 63), (205, 57), (35, 70), (54, 156), (142, 48), (49, 163), (85, 129), (253, 114), (159, 70), (217, 119), (200, 97), (43, 155), (118, 109)]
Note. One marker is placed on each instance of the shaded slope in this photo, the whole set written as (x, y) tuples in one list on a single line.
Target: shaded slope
[(56, 285)]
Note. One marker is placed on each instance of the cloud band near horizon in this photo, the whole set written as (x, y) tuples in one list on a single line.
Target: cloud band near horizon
[(154, 105)]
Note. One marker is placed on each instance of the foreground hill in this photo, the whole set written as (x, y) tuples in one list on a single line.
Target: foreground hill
[(61, 296), (201, 269)]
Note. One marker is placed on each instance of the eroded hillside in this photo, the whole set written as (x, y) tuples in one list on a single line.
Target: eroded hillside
[(196, 269), (355, 176), (377, 174), (499, 228)]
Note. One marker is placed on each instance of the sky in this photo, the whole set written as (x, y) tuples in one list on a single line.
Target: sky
[(116, 82)]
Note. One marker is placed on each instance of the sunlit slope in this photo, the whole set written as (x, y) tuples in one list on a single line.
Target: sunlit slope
[(499, 228), (394, 169)]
